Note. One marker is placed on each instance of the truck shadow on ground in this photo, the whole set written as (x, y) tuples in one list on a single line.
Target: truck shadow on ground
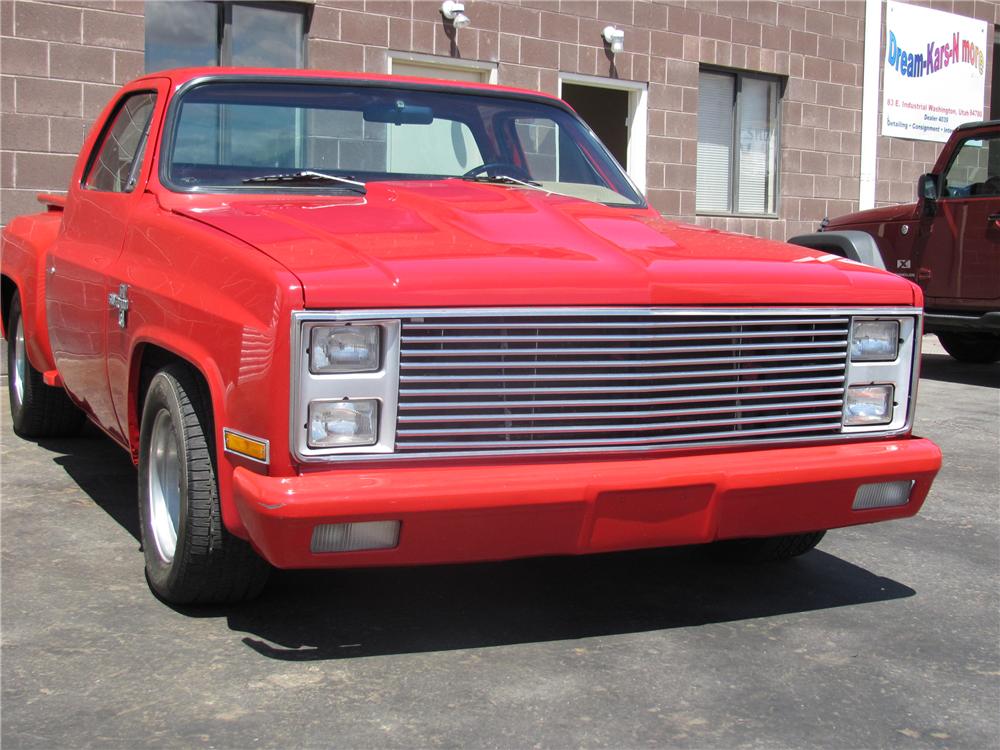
[(342, 614), (945, 369)]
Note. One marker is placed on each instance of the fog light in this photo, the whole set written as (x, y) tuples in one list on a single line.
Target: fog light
[(868, 404), (343, 423), (351, 537), (882, 495)]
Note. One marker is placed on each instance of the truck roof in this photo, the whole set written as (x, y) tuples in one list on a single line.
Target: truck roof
[(181, 76)]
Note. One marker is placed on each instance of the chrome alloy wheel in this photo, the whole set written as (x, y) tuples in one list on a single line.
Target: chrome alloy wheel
[(20, 364), (164, 495)]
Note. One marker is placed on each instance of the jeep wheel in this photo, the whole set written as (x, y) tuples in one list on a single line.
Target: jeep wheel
[(766, 548), (190, 556), (980, 348), (37, 410)]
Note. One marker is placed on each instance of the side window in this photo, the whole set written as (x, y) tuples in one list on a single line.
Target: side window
[(974, 170), (111, 169)]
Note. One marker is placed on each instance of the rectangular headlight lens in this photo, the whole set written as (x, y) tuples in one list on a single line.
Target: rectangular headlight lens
[(868, 405), (336, 349), (343, 423), (874, 340)]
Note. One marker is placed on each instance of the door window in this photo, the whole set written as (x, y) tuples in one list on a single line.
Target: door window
[(115, 164), (975, 169)]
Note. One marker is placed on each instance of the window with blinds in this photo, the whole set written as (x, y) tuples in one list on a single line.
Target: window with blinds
[(737, 143)]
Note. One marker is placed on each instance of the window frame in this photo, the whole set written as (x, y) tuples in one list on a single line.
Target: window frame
[(167, 133), (140, 155), (734, 165), (951, 163), (224, 27)]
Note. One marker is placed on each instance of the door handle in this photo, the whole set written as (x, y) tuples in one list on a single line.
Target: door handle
[(993, 217)]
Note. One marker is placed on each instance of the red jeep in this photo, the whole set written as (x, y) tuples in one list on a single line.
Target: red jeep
[(948, 242), (344, 320)]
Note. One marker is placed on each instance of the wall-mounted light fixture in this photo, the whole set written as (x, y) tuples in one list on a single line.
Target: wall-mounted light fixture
[(615, 37), (455, 12)]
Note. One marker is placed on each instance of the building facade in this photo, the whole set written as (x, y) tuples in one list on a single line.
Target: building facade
[(746, 115)]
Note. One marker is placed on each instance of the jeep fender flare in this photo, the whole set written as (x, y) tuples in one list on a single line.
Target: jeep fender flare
[(851, 244)]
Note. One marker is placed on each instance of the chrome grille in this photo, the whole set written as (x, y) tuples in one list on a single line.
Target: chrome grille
[(535, 382)]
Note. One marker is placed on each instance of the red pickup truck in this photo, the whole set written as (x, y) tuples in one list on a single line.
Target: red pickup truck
[(345, 320), (948, 242)]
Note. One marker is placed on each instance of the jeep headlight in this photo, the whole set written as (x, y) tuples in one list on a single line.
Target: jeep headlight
[(345, 381), (880, 382)]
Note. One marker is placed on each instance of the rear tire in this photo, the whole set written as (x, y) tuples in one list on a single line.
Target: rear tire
[(978, 348), (767, 548), (37, 410), (190, 555)]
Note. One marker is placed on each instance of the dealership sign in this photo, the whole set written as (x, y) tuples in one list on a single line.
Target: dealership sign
[(934, 72)]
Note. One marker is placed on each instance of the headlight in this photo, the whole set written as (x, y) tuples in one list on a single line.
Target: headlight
[(343, 423), (868, 404), (344, 349), (879, 387), (345, 385), (874, 340)]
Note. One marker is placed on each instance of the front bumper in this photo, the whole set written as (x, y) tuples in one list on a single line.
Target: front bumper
[(475, 512)]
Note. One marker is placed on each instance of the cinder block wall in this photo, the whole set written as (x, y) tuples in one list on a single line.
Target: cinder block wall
[(61, 61)]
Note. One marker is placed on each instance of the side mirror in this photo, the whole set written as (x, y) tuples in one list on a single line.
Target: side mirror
[(927, 191)]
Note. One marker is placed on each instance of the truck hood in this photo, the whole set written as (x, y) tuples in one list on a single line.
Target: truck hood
[(904, 212), (451, 243)]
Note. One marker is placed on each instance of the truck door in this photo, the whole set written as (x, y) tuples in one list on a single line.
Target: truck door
[(962, 250), (101, 199)]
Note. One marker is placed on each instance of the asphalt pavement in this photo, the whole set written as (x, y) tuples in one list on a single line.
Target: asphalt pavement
[(886, 636)]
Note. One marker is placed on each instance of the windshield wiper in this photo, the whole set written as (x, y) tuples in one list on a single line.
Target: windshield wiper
[(501, 179), (307, 176)]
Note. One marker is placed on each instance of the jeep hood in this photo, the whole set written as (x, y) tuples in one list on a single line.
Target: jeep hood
[(452, 243), (905, 212)]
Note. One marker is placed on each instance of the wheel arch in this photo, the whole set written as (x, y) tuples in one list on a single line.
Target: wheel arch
[(149, 356), (7, 291)]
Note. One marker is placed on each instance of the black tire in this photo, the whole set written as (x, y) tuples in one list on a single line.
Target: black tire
[(37, 410), (207, 564), (978, 348), (767, 548)]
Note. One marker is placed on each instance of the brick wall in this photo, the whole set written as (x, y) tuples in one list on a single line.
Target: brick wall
[(60, 64), (61, 60)]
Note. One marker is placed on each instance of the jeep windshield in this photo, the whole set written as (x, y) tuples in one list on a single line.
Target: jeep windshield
[(270, 137)]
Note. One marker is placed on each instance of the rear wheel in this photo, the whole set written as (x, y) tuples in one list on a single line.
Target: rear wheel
[(190, 556), (980, 348), (37, 410), (767, 548)]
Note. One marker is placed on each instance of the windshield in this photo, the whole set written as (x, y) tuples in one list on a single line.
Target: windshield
[(225, 134)]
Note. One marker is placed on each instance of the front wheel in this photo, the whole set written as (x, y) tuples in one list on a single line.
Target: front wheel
[(37, 410), (190, 556), (978, 348), (767, 548)]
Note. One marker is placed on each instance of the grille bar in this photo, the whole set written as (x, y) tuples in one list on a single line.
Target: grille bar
[(528, 381), (508, 416), (674, 374), (645, 388), (507, 404), (583, 351), (692, 437)]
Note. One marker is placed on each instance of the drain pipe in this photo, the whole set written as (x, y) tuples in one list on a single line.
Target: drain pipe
[(869, 104)]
